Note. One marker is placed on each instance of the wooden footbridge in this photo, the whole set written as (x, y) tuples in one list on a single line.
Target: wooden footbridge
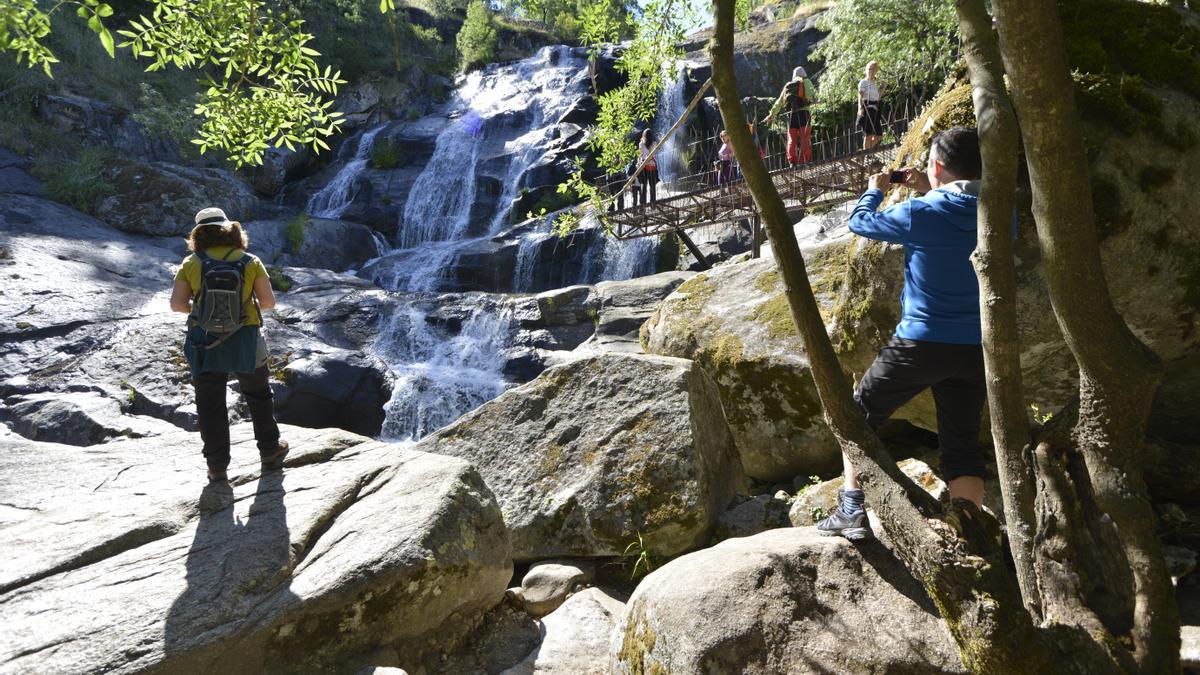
[(822, 183)]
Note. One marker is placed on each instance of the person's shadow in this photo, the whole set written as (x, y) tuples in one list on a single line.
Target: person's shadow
[(232, 567)]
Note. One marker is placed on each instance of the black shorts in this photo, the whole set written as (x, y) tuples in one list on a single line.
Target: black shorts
[(905, 368), (869, 122)]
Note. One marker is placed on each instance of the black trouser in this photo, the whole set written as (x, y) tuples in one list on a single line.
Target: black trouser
[(905, 368), (213, 416), (648, 179)]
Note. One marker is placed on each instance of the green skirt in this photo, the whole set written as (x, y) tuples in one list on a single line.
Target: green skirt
[(242, 352)]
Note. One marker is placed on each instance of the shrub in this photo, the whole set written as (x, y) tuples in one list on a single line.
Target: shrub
[(77, 181), (477, 39), (385, 154), (295, 232)]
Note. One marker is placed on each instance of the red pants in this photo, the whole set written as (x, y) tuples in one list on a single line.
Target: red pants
[(799, 145)]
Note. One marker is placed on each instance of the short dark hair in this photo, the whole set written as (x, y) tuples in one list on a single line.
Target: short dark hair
[(958, 151)]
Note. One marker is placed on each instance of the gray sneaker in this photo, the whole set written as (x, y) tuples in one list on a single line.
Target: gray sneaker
[(853, 527)]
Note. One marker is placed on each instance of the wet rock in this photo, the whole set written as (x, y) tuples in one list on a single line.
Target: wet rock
[(162, 199), (338, 388), (548, 584), (575, 637), (580, 480), (781, 598), (123, 558)]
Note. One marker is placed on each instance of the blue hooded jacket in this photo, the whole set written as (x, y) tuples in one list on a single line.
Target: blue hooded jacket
[(941, 293)]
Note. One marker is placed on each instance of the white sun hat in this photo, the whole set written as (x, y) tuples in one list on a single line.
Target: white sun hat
[(211, 216)]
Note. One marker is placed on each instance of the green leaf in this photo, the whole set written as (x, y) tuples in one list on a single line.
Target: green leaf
[(94, 24), (106, 39), (104, 10)]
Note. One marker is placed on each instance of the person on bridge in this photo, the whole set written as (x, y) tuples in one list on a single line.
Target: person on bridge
[(725, 160), (648, 178), (937, 343), (797, 96), (869, 121)]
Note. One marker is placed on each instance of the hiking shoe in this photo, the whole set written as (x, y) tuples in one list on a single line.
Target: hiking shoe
[(854, 527), (274, 460), (217, 475)]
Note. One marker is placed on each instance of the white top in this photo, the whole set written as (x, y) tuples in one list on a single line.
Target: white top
[(869, 89)]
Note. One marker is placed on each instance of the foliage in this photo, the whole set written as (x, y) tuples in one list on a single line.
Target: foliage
[(24, 26), (261, 86), (644, 559), (477, 39), (264, 87), (914, 42), (77, 181), (295, 232), (385, 154), (279, 281), (170, 120)]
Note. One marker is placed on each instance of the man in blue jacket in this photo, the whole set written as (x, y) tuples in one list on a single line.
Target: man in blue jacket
[(937, 343)]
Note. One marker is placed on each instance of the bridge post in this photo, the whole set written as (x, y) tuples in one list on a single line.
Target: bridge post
[(756, 236), (695, 250)]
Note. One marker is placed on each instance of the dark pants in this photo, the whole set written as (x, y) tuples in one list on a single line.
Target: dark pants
[(905, 368), (648, 179), (214, 417)]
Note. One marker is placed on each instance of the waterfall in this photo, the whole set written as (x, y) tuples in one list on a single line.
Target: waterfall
[(671, 105), (629, 258), (506, 116), (333, 199), (527, 251), (439, 379)]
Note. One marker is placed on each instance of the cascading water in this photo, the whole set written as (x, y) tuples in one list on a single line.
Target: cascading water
[(671, 105), (506, 118), (439, 379), (333, 199)]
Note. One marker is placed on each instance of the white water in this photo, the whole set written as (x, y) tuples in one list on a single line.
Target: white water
[(671, 105), (439, 379), (333, 199)]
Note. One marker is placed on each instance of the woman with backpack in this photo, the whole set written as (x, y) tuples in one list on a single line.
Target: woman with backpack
[(797, 96), (223, 289)]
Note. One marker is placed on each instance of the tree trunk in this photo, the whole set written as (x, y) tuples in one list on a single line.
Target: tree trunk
[(993, 260), (1118, 375)]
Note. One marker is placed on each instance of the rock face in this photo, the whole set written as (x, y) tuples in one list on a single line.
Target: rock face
[(786, 600), (579, 479), (735, 321), (162, 199), (78, 418), (334, 245), (354, 547)]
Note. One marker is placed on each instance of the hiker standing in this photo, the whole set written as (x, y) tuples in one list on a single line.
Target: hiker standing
[(725, 160), (869, 121), (648, 178), (797, 96), (937, 343), (223, 289)]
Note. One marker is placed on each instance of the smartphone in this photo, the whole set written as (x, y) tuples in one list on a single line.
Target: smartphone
[(900, 176)]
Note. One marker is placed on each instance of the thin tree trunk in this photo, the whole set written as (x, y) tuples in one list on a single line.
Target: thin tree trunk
[(1118, 375), (993, 260)]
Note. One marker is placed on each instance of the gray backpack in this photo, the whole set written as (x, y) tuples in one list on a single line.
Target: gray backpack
[(218, 309)]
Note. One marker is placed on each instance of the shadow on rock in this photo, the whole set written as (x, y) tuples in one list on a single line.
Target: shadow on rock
[(238, 558)]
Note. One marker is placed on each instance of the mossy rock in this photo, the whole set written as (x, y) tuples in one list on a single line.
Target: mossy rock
[(736, 322)]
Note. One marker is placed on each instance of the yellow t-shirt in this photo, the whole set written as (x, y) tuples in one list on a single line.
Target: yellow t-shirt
[(190, 272)]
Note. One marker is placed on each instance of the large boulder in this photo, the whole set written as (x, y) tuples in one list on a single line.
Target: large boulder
[(162, 199), (579, 479), (79, 418), (312, 242), (735, 321), (15, 177), (93, 122), (574, 637), (786, 600), (122, 559)]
